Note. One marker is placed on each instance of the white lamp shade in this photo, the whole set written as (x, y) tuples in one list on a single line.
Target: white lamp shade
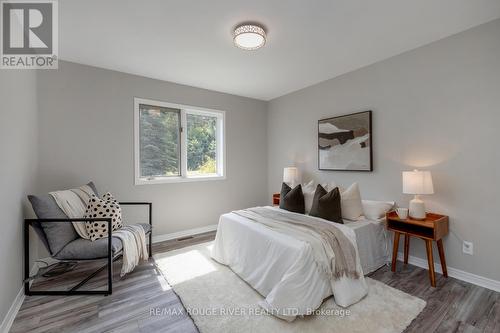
[(290, 175), (417, 182)]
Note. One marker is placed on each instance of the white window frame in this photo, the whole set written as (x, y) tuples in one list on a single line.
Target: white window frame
[(184, 177)]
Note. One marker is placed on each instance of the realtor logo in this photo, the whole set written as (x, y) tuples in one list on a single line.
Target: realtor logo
[(29, 34)]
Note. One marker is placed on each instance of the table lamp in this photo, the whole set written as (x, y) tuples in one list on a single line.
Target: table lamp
[(417, 182), (290, 176)]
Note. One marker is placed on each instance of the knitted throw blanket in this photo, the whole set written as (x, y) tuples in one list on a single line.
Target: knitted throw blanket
[(74, 203)]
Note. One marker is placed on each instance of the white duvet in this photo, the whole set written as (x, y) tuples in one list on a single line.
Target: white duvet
[(281, 267)]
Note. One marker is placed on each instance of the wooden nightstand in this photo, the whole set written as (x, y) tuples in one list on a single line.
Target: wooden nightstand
[(276, 199), (433, 228)]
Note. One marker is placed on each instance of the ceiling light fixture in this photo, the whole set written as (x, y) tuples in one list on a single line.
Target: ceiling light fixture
[(249, 37)]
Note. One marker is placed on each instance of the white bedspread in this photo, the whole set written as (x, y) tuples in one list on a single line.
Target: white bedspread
[(373, 243), (280, 267)]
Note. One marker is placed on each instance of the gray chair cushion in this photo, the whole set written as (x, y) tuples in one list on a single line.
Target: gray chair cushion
[(57, 234), (37, 226), (80, 248)]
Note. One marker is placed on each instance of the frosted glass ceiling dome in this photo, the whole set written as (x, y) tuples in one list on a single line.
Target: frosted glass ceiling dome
[(249, 37)]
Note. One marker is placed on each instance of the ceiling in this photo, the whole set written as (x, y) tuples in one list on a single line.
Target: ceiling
[(309, 41)]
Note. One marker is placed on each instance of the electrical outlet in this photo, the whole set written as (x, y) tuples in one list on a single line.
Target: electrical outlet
[(468, 248)]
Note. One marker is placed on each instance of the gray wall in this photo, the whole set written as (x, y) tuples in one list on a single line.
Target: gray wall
[(436, 108), (18, 151), (86, 133)]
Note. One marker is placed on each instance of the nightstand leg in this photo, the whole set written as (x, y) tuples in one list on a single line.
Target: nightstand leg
[(430, 260), (442, 258), (407, 247), (395, 250)]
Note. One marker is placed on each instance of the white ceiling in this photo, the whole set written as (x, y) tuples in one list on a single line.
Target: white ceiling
[(309, 41)]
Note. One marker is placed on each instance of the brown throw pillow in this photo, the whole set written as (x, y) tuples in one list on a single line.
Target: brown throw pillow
[(326, 205), (292, 199)]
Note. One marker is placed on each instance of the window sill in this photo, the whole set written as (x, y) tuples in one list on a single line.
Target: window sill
[(170, 180)]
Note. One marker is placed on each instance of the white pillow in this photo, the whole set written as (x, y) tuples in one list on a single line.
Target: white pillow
[(308, 190), (331, 185), (374, 210), (350, 201)]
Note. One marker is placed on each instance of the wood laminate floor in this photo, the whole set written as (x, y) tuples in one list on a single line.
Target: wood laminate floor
[(454, 306)]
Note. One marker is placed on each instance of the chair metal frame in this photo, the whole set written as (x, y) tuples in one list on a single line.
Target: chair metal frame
[(73, 291)]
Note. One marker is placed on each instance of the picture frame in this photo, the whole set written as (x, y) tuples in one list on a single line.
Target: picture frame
[(345, 142)]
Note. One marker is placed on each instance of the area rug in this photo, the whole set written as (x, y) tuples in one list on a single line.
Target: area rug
[(219, 301)]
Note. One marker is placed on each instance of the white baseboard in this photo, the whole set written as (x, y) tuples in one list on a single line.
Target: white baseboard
[(455, 273), (184, 233), (12, 313), (16, 305)]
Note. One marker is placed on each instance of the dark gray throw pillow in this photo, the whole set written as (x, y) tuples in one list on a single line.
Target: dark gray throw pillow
[(326, 205), (58, 234), (292, 199)]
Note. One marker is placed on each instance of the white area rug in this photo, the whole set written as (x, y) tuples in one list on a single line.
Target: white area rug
[(219, 301)]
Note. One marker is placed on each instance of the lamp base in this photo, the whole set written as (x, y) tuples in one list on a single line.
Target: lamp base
[(417, 209)]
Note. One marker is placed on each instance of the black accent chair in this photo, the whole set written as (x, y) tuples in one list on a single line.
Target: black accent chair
[(80, 249)]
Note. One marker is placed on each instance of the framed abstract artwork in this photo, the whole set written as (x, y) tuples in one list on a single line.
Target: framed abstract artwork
[(345, 142)]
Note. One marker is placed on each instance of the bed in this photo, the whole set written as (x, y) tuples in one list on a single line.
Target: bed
[(280, 268)]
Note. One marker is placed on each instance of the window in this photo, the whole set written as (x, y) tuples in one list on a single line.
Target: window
[(159, 141), (177, 143)]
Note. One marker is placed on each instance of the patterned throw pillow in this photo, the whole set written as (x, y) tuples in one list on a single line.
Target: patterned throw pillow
[(107, 207), (109, 197)]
